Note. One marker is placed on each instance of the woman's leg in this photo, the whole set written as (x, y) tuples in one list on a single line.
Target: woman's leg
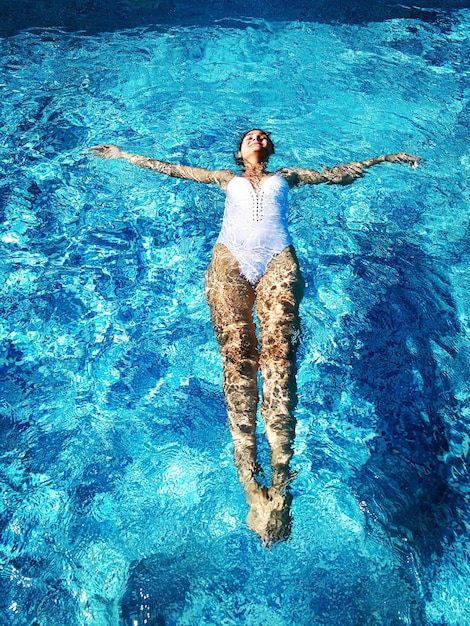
[(277, 304), (231, 299)]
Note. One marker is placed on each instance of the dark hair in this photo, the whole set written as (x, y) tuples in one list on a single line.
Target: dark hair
[(239, 160)]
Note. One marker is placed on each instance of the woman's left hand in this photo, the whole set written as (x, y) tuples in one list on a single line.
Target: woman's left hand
[(404, 157)]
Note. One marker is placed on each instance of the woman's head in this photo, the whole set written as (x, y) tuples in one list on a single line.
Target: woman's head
[(254, 144)]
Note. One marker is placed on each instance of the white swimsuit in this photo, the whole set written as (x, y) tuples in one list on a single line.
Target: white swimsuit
[(254, 227)]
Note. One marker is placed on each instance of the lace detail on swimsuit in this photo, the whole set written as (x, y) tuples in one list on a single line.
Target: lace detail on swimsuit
[(257, 209)]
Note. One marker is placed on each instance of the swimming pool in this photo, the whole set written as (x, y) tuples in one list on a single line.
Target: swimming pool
[(120, 501)]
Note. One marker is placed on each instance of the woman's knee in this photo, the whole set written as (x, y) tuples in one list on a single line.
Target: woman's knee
[(239, 345)]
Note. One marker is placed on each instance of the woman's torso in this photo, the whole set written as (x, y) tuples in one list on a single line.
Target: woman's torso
[(255, 224)]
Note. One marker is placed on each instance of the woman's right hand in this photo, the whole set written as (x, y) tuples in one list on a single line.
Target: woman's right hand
[(106, 151)]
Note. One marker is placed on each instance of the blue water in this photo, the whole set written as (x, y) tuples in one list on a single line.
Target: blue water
[(120, 503)]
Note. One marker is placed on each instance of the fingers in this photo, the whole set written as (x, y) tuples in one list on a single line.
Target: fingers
[(97, 150), (413, 160), (404, 157), (106, 151)]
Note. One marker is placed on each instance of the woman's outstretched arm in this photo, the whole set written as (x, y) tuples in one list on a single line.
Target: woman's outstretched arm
[(198, 174), (343, 174)]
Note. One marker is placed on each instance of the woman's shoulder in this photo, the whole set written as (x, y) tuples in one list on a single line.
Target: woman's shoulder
[(290, 175), (223, 177)]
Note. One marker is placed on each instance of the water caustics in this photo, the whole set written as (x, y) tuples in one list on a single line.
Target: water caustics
[(120, 502)]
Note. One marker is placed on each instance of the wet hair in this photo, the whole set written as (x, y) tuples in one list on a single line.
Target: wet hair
[(239, 160)]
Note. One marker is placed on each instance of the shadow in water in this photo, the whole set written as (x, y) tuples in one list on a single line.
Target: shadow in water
[(92, 17), (407, 357), (155, 587)]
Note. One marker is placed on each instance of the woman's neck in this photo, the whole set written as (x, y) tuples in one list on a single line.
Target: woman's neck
[(255, 174), (255, 169)]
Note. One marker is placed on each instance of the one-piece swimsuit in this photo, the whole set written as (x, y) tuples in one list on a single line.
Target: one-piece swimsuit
[(254, 226)]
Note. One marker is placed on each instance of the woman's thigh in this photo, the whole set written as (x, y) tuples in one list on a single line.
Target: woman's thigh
[(279, 293), (230, 296)]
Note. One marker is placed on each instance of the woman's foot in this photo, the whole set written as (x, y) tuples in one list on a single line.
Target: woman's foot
[(269, 515)]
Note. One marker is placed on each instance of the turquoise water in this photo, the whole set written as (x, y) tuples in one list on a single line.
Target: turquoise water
[(120, 503)]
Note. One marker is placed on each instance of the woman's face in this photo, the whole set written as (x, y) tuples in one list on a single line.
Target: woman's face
[(256, 142)]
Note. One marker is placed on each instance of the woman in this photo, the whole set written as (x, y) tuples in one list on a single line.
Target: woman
[(254, 263)]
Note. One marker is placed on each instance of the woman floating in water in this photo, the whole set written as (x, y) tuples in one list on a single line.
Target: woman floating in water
[(254, 264)]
